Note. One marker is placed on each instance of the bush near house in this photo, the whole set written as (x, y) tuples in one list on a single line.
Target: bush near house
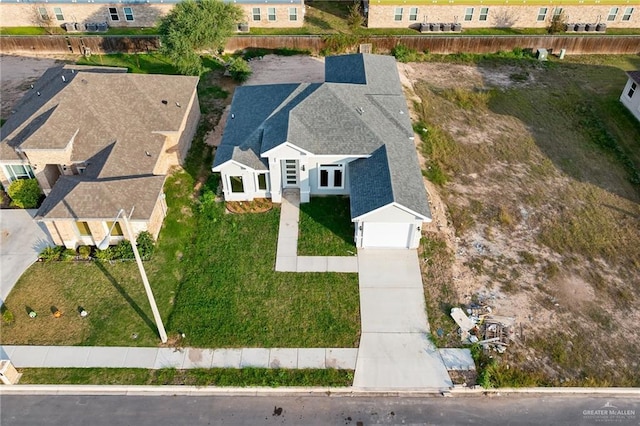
[(240, 70), (25, 193)]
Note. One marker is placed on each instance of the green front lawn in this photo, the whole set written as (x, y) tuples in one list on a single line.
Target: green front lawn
[(325, 228), (195, 377)]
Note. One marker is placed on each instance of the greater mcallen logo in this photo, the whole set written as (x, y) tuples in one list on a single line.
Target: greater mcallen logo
[(609, 413)]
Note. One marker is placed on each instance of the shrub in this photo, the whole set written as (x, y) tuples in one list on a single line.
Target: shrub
[(7, 315), (145, 245), (403, 53), (557, 24), (84, 252), (106, 254), (68, 255), (122, 250), (240, 70), (51, 254), (25, 193), (339, 43)]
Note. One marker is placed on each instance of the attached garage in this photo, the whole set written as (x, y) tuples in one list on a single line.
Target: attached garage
[(387, 235), (391, 226)]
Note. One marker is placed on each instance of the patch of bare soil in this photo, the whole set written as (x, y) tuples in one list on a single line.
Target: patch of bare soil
[(558, 301)]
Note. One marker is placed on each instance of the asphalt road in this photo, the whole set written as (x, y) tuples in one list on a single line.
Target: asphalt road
[(316, 410)]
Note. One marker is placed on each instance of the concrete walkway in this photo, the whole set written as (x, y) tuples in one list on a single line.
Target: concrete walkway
[(180, 358), (287, 259), (21, 241), (395, 352)]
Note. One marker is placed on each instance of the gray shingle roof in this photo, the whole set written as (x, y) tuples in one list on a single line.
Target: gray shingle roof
[(117, 124), (359, 110), (635, 76)]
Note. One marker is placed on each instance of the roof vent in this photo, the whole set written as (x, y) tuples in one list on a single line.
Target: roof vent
[(360, 110), (233, 116), (64, 80), (164, 101), (32, 86), (178, 104), (38, 93), (147, 153)]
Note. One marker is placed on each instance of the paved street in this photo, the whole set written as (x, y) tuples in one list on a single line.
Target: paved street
[(316, 410)]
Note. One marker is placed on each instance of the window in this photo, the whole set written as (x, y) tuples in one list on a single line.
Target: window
[(43, 13), (58, 12), (613, 14), (331, 176), (236, 184), (542, 14), (128, 13), (262, 182), (293, 13), (83, 229), (113, 13), (484, 12), (413, 14), (627, 14), (117, 230), (557, 12), (468, 14), (398, 15), (18, 171), (256, 13), (271, 13), (632, 90)]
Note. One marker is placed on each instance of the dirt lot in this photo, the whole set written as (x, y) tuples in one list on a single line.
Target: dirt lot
[(525, 226)]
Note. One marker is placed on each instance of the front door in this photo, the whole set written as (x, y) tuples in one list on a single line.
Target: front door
[(290, 175)]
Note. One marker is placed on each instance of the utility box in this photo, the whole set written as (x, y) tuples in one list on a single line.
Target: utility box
[(542, 54), (8, 374), (562, 53)]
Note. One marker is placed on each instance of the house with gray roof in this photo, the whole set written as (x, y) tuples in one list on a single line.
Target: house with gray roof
[(350, 135), (630, 96), (98, 140)]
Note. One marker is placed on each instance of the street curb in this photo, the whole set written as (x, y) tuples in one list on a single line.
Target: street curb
[(160, 390)]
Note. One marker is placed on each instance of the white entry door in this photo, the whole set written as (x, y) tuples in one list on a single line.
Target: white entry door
[(386, 235), (290, 176)]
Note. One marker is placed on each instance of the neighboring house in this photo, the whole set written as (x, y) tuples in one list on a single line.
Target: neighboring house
[(630, 97), (500, 13), (99, 140), (134, 13), (351, 135)]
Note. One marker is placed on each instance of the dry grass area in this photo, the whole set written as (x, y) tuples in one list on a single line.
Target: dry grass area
[(536, 211)]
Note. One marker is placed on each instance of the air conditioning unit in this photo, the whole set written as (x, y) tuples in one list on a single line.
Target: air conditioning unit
[(243, 27), (542, 54)]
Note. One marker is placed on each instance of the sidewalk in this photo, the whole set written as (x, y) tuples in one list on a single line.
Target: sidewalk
[(287, 259), (180, 358)]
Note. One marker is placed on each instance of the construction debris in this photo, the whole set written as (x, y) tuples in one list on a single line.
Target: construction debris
[(491, 332)]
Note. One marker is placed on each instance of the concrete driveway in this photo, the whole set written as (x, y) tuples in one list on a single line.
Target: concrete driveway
[(394, 351), (21, 240)]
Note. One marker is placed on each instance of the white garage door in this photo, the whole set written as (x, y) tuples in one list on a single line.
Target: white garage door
[(386, 235)]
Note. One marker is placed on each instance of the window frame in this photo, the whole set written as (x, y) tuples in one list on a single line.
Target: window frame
[(542, 14), (484, 14), (613, 13), (113, 14), (83, 224), (413, 14), (331, 170), (632, 89), (259, 177), (254, 14), (57, 11), (117, 229), (468, 14), (44, 13), (271, 15), (628, 12), (293, 17), (398, 14), (25, 173), (557, 11), (237, 179), (126, 15)]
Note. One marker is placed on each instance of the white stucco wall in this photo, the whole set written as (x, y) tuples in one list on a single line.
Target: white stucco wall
[(632, 103)]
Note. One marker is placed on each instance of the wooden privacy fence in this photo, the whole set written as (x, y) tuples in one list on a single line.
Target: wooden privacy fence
[(588, 44), (78, 44)]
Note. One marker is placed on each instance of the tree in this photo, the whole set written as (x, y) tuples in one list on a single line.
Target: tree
[(193, 26)]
